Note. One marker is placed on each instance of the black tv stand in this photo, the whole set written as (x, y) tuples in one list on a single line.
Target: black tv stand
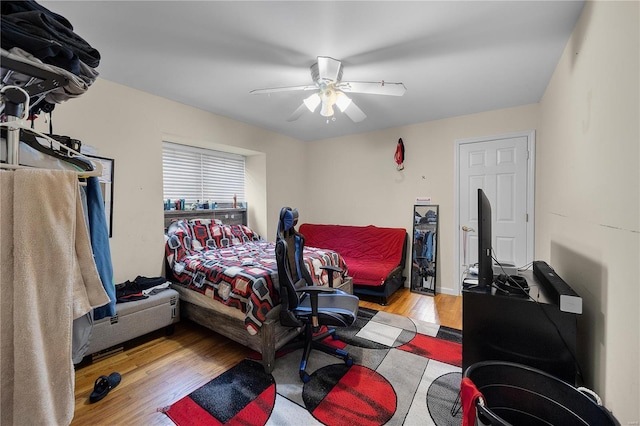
[(517, 329)]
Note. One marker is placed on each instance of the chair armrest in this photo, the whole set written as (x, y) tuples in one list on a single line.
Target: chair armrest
[(330, 270), (315, 289)]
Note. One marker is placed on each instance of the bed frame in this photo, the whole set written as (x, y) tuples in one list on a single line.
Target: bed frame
[(271, 337)]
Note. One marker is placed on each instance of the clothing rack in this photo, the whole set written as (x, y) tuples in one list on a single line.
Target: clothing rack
[(27, 82), (45, 64), (37, 82), (61, 152)]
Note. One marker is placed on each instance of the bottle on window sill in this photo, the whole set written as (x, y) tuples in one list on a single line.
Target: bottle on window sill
[(235, 204)]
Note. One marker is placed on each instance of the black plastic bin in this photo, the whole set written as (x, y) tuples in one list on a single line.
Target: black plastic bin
[(519, 395)]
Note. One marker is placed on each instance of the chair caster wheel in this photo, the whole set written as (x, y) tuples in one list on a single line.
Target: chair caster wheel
[(305, 377)]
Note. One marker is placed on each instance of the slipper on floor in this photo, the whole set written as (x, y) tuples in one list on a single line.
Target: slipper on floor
[(103, 385)]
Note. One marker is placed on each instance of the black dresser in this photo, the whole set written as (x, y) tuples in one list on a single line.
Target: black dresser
[(516, 329)]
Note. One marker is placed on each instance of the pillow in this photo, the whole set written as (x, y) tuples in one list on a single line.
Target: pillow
[(241, 233), (205, 234), (200, 235), (225, 235), (217, 235)]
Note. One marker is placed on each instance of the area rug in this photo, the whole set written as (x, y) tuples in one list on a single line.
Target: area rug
[(405, 372)]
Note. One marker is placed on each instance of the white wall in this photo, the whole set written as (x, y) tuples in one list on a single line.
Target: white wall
[(363, 186), (587, 194), (129, 126)]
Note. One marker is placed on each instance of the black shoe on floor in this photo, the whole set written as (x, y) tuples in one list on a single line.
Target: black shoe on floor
[(103, 385)]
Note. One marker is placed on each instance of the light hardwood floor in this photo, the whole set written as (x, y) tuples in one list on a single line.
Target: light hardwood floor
[(161, 369)]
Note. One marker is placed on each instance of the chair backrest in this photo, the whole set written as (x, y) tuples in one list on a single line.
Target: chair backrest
[(292, 272)]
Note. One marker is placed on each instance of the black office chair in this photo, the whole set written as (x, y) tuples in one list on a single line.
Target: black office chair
[(304, 304)]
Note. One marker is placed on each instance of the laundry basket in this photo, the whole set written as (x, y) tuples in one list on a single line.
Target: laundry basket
[(515, 394)]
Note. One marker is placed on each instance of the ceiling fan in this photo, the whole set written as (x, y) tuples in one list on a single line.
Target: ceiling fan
[(331, 91)]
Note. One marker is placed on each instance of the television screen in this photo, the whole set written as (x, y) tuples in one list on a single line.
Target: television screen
[(485, 268)]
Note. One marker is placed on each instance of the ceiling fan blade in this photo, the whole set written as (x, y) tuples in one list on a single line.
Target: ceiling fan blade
[(372, 87), (282, 89), (354, 112), (298, 112), (329, 68)]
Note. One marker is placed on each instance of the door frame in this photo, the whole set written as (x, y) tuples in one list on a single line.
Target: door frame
[(531, 167)]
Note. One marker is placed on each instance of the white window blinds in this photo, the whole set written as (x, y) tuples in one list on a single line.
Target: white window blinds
[(198, 174)]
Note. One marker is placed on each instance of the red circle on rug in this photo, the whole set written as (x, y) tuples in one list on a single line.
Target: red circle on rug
[(338, 395)]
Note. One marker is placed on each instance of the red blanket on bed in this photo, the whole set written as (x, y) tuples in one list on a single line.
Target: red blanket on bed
[(370, 252), (230, 264)]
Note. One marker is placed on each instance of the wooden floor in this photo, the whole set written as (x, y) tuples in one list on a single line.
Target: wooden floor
[(161, 369)]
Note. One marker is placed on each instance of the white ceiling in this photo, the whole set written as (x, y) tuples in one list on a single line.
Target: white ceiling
[(454, 57)]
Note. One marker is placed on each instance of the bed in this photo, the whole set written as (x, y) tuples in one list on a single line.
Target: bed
[(226, 276)]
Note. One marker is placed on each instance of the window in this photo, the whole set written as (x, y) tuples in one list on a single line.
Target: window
[(201, 175)]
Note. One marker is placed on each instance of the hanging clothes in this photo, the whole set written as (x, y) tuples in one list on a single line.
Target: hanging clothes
[(83, 326), (48, 279), (99, 233), (429, 246)]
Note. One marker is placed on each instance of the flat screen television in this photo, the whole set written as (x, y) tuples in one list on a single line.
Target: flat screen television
[(485, 262)]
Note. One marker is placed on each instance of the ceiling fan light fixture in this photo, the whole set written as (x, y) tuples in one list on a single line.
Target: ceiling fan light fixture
[(312, 102), (328, 100), (327, 109)]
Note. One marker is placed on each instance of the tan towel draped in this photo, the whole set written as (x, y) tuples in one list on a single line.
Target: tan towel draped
[(47, 278)]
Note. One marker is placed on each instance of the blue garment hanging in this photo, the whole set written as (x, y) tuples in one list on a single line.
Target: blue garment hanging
[(99, 234), (429, 246)]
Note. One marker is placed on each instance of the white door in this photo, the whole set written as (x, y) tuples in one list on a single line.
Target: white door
[(503, 168)]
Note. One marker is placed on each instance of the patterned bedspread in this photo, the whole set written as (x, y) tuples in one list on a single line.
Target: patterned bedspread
[(234, 266)]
